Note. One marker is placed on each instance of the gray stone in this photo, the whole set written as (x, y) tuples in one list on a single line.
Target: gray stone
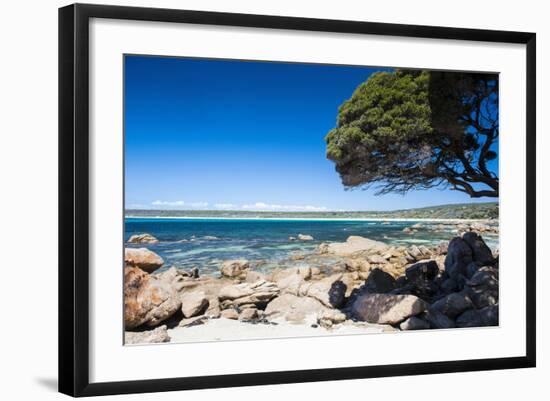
[(481, 252), (422, 271), (194, 303), (453, 304), (414, 323), (379, 282), (438, 320), (487, 316), (386, 308)]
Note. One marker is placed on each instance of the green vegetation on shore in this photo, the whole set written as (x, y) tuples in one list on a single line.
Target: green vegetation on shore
[(487, 210)]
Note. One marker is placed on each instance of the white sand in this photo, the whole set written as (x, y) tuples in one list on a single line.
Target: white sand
[(231, 330)]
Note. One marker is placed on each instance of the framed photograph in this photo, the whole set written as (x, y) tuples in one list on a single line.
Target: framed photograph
[(250, 199)]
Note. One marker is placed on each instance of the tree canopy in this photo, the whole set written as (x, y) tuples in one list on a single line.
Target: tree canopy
[(405, 130)]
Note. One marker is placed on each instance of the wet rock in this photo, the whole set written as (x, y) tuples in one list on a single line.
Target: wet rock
[(143, 258), (157, 335), (305, 237), (386, 308)]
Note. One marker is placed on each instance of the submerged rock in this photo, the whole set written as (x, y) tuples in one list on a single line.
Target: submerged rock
[(143, 258), (142, 239), (305, 237)]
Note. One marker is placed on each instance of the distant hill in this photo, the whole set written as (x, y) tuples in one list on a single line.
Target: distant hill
[(487, 210)]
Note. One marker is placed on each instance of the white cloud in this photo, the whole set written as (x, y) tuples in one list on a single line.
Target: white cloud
[(261, 206), (179, 203), (225, 206)]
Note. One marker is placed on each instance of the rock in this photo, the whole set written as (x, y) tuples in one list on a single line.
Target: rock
[(379, 282), (422, 271), (178, 279), (157, 335), (386, 308), (147, 300), (453, 304), (194, 303), (253, 276), (437, 320), (354, 245), (449, 285), (487, 316), (377, 259), (292, 238), (234, 268), (305, 237), (481, 252), (230, 314), (248, 315), (357, 264), (294, 309), (459, 256), (259, 293), (290, 284), (482, 288), (414, 323), (143, 258), (335, 316), (472, 269), (193, 321), (327, 290), (142, 239)]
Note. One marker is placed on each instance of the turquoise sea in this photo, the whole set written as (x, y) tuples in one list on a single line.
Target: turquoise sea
[(205, 243)]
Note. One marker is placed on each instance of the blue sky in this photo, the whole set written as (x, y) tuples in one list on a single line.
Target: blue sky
[(219, 134)]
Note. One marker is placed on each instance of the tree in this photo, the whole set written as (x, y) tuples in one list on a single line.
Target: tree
[(406, 130)]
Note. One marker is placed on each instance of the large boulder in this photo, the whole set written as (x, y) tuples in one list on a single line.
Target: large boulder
[(482, 288), (258, 294), (234, 268), (157, 335), (378, 282), (142, 239), (330, 291), (143, 258), (354, 245), (147, 300), (438, 320), (422, 271), (487, 316), (453, 304), (481, 252), (459, 256), (294, 309), (386, 308), (194, 303)]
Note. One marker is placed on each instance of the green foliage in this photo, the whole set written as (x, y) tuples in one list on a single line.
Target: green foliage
[(406, 130)]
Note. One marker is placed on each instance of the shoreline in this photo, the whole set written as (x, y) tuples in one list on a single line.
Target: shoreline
[(396, 219)]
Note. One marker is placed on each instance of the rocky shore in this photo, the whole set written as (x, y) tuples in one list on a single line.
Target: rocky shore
[(356, 286)]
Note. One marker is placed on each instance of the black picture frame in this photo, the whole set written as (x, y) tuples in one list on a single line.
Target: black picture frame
[(74, 198)]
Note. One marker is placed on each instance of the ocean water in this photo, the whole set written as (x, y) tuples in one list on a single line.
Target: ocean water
[(206, 243)]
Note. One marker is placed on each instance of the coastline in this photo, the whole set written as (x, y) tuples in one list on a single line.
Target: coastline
[(396, 219)]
